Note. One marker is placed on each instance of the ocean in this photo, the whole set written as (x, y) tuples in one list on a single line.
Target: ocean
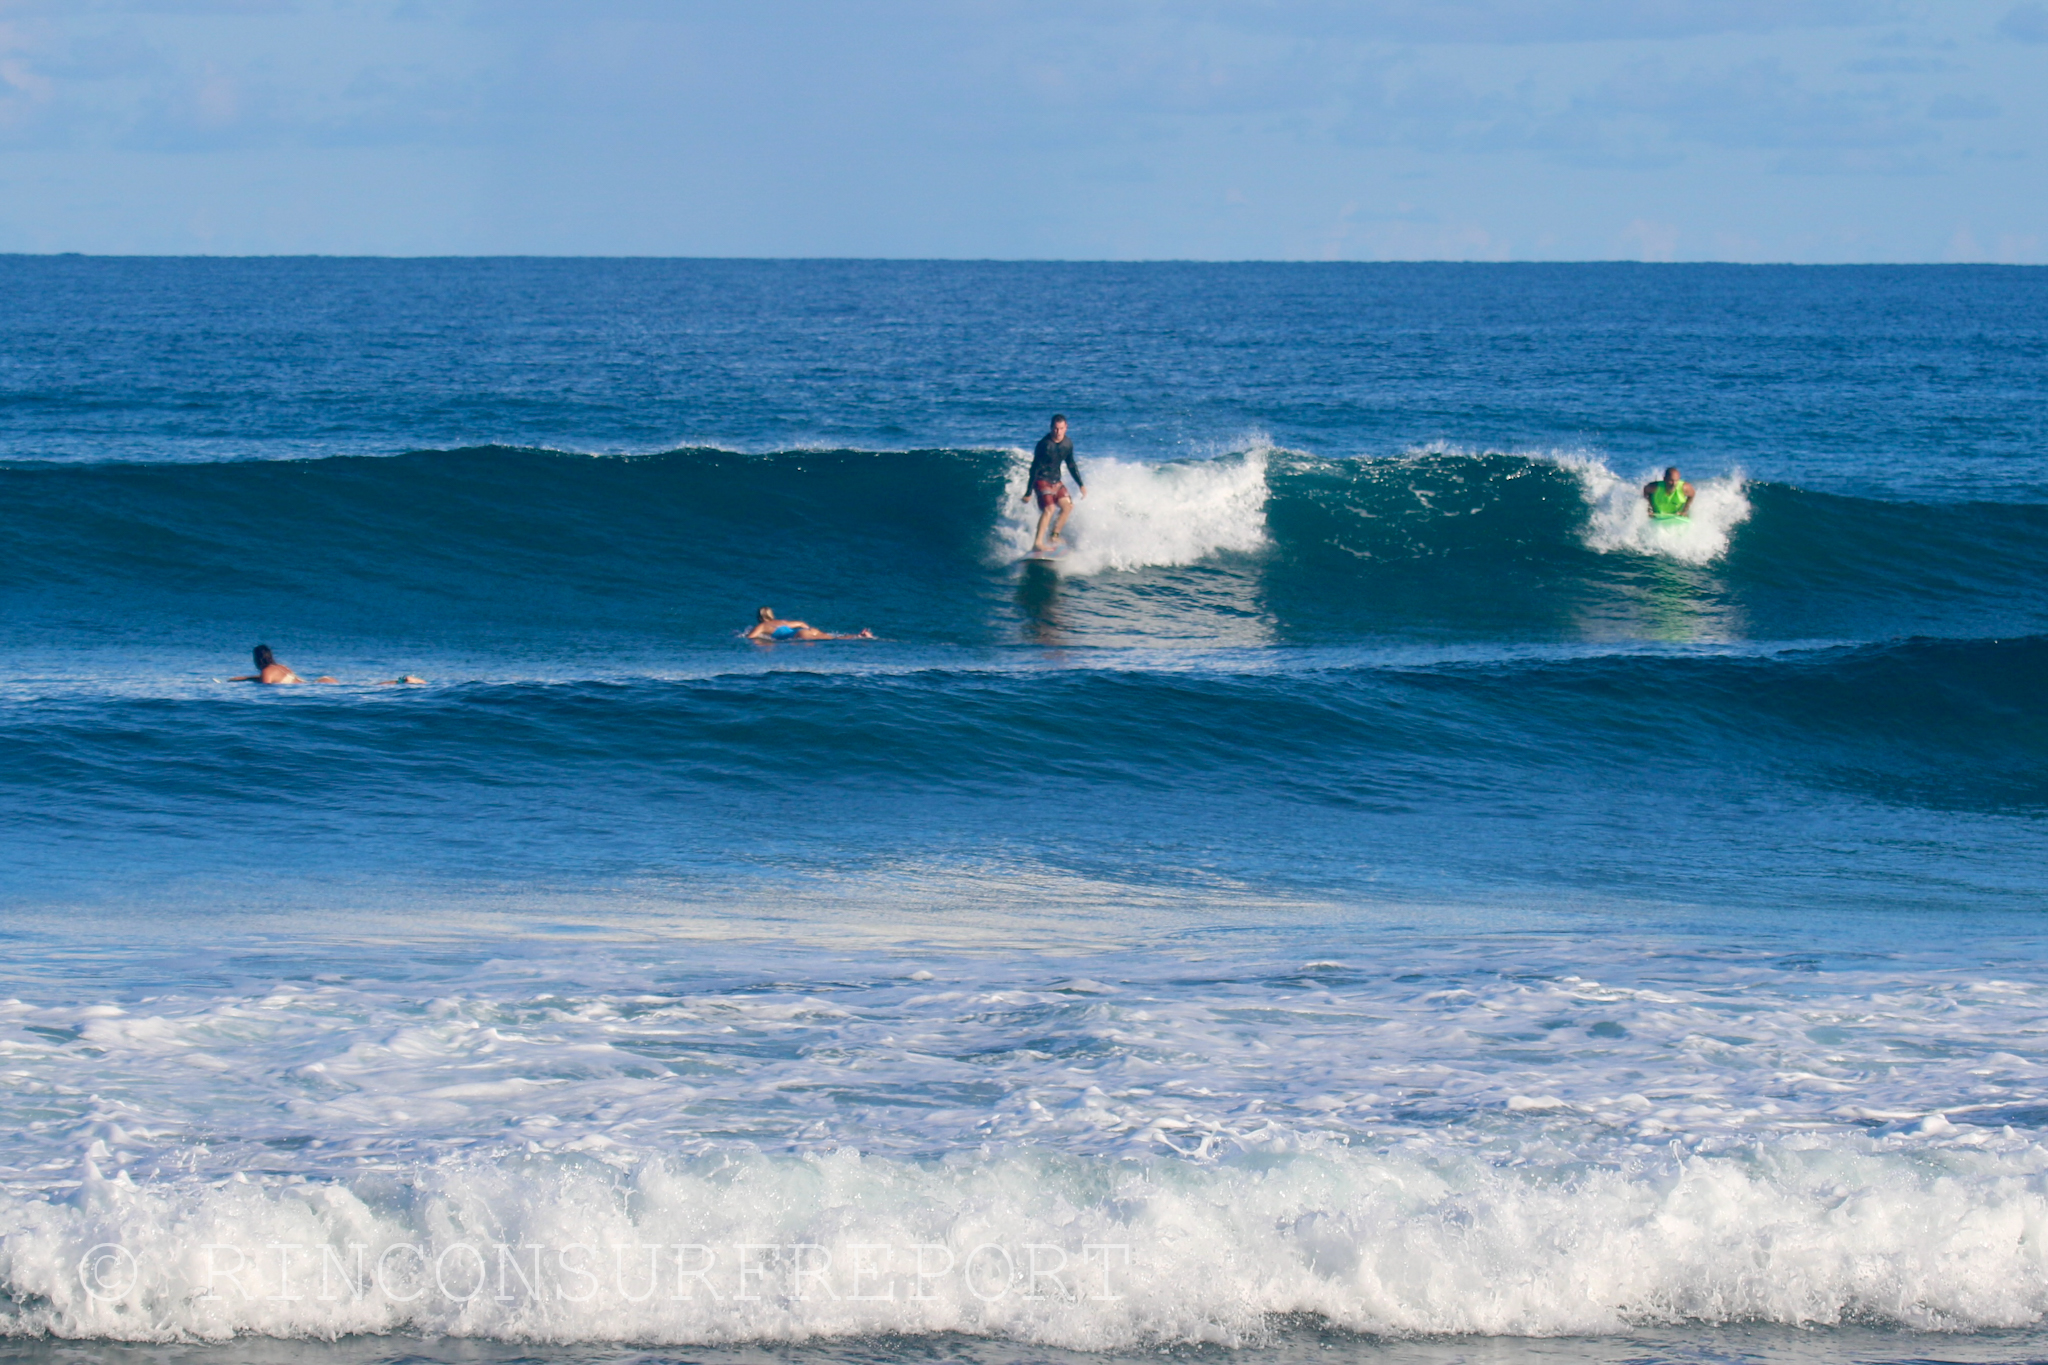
[(1377, 897)]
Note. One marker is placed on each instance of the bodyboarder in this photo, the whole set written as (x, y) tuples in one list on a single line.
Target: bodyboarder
[(1671, 497)]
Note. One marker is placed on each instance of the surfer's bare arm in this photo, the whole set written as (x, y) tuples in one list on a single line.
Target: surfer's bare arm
[(765, 629), (1686, 510), (248, 677)]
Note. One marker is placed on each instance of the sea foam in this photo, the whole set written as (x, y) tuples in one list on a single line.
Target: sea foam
[(1089, 1253), (1620, 519), (1474, 1142), (1142, 515)]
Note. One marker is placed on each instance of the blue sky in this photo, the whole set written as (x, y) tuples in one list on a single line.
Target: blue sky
[(1746, 130)]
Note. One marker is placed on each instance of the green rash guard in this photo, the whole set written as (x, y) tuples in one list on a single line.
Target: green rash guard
[(1666, 501)]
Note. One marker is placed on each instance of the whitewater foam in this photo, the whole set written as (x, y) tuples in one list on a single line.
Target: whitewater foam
[(1088, 1254), (1620, 519), (1121, 1150), (1139, 515)]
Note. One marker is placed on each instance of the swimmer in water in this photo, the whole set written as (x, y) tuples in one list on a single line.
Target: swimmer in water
[(269, 670), (1671, 498), (772, 627)]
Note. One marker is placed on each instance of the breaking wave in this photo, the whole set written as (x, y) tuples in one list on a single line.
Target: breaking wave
[(1433, 543)]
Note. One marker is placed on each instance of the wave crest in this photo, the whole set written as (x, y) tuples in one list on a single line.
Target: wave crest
[(494, 544), (1621, 519), (1141, 515)]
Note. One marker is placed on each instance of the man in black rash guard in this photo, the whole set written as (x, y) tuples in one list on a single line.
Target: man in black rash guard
[(1054, 450)]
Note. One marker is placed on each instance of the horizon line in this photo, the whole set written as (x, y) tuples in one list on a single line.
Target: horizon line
[(1000, 260)]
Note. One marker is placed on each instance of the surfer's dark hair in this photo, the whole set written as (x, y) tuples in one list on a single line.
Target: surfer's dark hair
[(1058, 418), (1669, 470), (264, 658)]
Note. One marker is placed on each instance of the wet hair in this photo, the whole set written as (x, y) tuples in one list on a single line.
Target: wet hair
[(264, 658), (1673, 469), (1058, 418), (767, 613)]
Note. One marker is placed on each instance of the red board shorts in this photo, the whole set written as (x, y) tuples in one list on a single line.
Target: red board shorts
[(1049, 494)]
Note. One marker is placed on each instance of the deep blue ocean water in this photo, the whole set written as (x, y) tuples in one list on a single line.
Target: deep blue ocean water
[(1377, 894)]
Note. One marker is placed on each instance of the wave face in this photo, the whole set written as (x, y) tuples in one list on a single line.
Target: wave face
[(1383, 658), (492, 546)]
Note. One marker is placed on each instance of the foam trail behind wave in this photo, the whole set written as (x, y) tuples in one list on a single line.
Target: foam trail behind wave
[(1621, 519), (1140, 515)]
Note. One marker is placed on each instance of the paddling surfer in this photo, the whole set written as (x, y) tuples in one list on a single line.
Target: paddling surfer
[(771, 627), (1054, 450), (1672, 497), (269, 670)]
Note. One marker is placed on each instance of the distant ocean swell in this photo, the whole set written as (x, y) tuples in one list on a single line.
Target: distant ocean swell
[(1436, 540), (1077, 1252)]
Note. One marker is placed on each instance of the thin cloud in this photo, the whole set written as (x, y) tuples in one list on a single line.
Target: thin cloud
[(2025, 23), (1538, 21), (1757, 104), (1644, 116), (1964, 107)]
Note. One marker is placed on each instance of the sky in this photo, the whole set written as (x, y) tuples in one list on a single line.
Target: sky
[(1735, 130)]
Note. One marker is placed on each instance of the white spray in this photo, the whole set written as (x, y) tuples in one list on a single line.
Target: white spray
[(1082, 1253), (1139, 515), (1621, 518)]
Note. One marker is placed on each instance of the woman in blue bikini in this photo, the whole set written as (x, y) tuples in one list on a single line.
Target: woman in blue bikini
[(772, 627)]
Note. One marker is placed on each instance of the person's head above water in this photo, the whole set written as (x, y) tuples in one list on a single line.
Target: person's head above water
[(1059, 425), (264, 658), (767, 613), (1671, 474)]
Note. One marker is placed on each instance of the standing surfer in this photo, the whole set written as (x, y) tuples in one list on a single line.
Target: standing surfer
[(1054, 450), (1671, 498)]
